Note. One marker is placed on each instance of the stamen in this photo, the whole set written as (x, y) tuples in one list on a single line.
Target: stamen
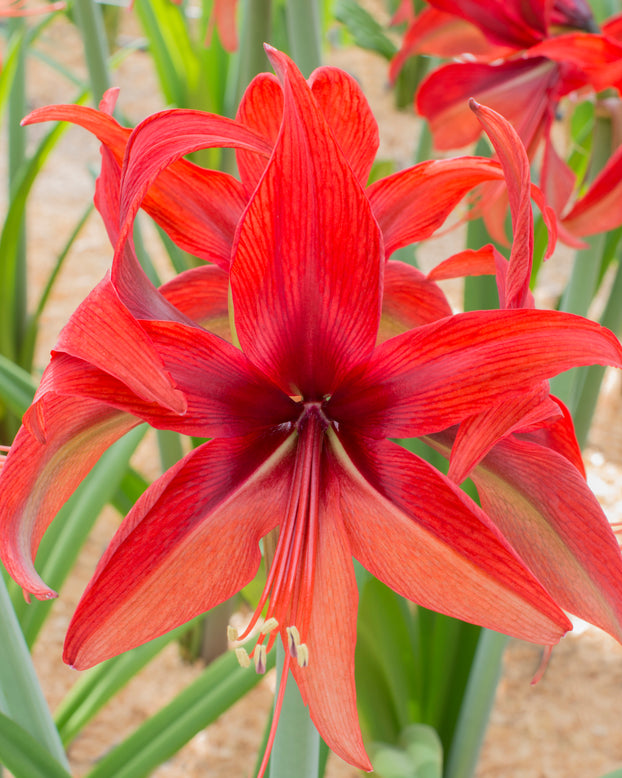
[(288, 591), (260, 657), (243, 657)]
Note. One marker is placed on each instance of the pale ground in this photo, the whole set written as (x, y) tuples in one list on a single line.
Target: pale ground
[(568, 725)]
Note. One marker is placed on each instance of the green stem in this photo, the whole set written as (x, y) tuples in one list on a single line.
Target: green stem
[(593, 376), (304, 29), (89, 20), (17, 109), (476, 706), (256, 30), (296, 746), (586, 271), (576, 299)]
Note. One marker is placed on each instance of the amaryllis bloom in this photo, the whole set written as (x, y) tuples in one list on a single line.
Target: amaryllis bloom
[(528, 59), (224, 18), (300, 416), (22, 8)]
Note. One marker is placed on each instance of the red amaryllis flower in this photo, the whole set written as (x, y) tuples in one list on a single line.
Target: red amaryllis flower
[(298, 417), (224, 18), (534, 67), (509, 450), (21, 8)]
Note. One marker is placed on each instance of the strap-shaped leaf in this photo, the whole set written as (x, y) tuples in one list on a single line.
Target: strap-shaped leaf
[(16, 386), (20, 694), (221, 684)]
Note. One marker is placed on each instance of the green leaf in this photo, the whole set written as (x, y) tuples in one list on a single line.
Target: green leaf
[(419, 755), (10, 239), (386, 627), (296, 745), (10, 59), (16, 387), (170, 48), (221, 684), (365, 30), (20, 693), (30, 337), (97, 686), (477, 702), (131, 487), (447, 650), (24, 756)]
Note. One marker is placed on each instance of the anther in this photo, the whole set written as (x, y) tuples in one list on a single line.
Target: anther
[(293, 640), (232, 634), (298, 650), (268, 626), (302, 655), (243, 657), (260, 656)]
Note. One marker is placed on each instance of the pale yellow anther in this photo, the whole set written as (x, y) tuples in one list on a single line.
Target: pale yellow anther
[(232, 634), (302, 655), (293, 640), (260, 655), (269, 625), (243, 657)]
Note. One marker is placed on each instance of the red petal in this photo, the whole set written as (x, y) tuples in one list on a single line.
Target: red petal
[(557, 526), (198, 208), (104, 333), (161, 140), (556, 178), (340, 99), (129, 280), (327, 683), (225, 395), (506, 22), (470, 262), (612, 28), (412, 204), (307, 273), (444, 35), (513, 158), (596, 58), (435, 376), (409, 300), (559, 436), (211, 509), (522, 90), (599, 209), (224, 13), (421, 535), (349, 116), (201, 294), (478, 434), (224, 391), (39, 475), (261, 109)]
